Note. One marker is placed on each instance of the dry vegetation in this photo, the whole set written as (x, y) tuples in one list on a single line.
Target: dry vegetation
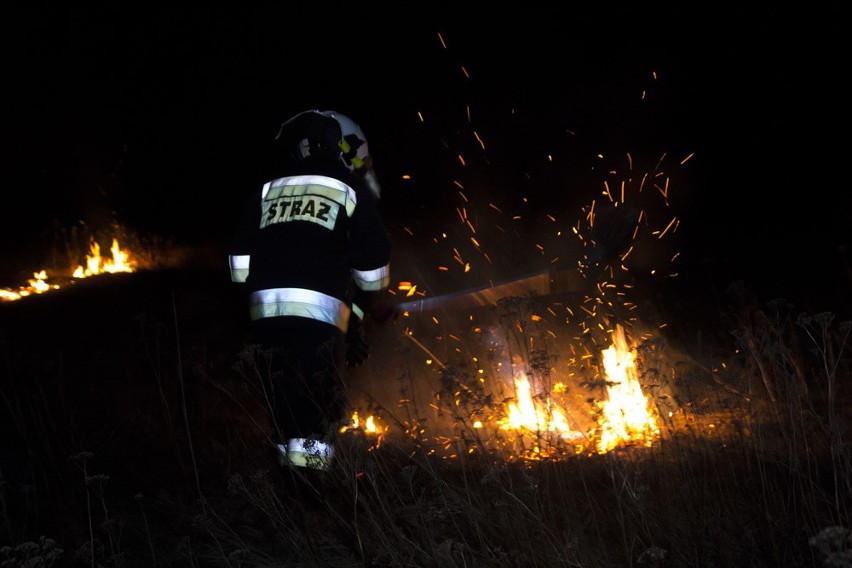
[(136, 437)]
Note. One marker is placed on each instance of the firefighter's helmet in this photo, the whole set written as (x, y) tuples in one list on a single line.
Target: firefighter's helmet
[(313, 132)]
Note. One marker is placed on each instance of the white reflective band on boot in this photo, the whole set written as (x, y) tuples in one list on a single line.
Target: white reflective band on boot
[(304, 452)]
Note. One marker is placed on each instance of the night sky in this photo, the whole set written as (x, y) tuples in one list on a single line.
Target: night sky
[(165, 116)]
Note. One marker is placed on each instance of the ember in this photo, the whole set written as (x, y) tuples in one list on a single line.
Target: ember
[(540, 366)]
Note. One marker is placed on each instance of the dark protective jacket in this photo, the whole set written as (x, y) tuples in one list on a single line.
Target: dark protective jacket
[(306, 241)]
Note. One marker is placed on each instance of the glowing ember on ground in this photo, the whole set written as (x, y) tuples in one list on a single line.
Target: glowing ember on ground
[(120, 261)]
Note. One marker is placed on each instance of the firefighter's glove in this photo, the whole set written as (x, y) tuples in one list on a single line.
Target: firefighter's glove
[(384, 309), (357, 348)]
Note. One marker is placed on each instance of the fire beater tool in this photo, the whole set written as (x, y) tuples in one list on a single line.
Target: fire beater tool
[(546, 282)]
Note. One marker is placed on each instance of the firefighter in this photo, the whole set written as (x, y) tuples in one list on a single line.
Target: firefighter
[(313, 256)]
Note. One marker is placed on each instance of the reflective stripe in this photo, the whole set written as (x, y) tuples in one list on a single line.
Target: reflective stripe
[(300, 302), (359, 313), (324, 186), (310, 446), (239, 267), (372, 280), (305, 452)]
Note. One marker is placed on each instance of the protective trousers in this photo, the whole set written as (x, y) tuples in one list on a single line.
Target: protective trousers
[(306, 362)]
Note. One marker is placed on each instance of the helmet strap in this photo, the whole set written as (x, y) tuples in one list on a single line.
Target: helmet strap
[(350, 154)]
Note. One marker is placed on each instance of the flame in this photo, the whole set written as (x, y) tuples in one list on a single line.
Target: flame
[(625, 415), (35, 285), (370, 425), (535, 416), (96, 264), (9, 296), (120, 261)]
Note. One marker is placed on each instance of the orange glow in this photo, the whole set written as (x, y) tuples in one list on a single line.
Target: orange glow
[(120, 261), (535, 415), (625, 414), (549, 411), (370, 426), (96, 264)]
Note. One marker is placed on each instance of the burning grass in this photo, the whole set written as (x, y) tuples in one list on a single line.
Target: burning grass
[(553, 429), (498, 404), (148, 447), (81, 252)]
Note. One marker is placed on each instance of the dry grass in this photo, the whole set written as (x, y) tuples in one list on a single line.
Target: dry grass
[(138, 438)]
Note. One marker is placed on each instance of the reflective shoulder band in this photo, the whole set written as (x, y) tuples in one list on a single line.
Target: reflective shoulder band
[(239, 264)]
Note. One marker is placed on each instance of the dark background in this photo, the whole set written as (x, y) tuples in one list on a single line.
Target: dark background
[(163, 117)]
